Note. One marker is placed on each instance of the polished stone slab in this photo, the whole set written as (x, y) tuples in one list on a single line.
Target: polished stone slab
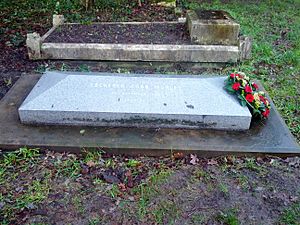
[(133, 100), (272, 137)]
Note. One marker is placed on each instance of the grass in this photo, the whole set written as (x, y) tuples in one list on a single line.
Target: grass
[(229, 217), (224, 189), (200, 174), (170, 193), (148, 190), (69, 167), (166, 209), (198, 219), (291, 216), (30, 192)]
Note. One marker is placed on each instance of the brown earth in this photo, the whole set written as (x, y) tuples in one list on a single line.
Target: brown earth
[(154, 33), (178, 190)]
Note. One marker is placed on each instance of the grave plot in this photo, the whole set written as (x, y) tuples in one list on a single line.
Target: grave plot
[(138, 41), (78, 100)]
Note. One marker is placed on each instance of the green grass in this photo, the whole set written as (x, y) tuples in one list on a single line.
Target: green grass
[(165, 209), (69, 167), (224, 189), (198, 218), (291, 216), (228, 217), (150, 189), (27, 192)]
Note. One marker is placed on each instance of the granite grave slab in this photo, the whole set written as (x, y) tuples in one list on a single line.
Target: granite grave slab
[(271, 137), (133, 100)]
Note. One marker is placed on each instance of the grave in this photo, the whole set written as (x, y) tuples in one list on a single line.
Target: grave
[(170, 41), (138, 113), (132, 100), (271, 136)]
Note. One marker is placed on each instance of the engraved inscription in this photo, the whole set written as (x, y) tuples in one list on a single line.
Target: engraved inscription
[(136, 89)]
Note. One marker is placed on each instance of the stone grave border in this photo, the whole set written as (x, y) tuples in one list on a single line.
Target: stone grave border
[(38, 48)]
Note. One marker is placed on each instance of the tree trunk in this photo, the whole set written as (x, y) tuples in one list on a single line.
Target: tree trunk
[(88, 4)]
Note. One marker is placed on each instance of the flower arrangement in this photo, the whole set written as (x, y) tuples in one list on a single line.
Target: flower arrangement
[(248, 94)]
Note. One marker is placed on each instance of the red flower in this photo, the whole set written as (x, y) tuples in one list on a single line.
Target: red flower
[(263, 99), (232, 75), (249, 97), (248, 89), (236, 86), (266, 113), (255, 86)]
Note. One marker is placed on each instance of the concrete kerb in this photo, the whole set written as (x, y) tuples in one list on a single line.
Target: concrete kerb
[(134, 52)]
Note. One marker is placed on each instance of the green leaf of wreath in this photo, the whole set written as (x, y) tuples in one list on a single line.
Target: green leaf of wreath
[(244, 103), (229, 88)]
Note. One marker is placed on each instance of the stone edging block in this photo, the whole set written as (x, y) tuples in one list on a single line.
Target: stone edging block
[(219, 31), (33, 43)]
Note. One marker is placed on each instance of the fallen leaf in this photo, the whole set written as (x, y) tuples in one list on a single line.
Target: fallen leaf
[(194, 159), (178, 155), (84, 169), (122, 186), (131, 198), (91, 163), (128, 175), (212, 162), (109, 178), (294, 198)]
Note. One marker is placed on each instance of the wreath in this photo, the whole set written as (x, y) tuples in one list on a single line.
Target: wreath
[(249, 95)]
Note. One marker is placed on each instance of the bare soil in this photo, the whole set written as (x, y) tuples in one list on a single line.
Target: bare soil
[(211, 14), (152, 33), (111, 190)]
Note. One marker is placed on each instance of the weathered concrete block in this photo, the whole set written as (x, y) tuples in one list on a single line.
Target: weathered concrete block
[(58, 20), (133, 100), (137, 52), (33, 43), (212, 28), (245, 47)]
